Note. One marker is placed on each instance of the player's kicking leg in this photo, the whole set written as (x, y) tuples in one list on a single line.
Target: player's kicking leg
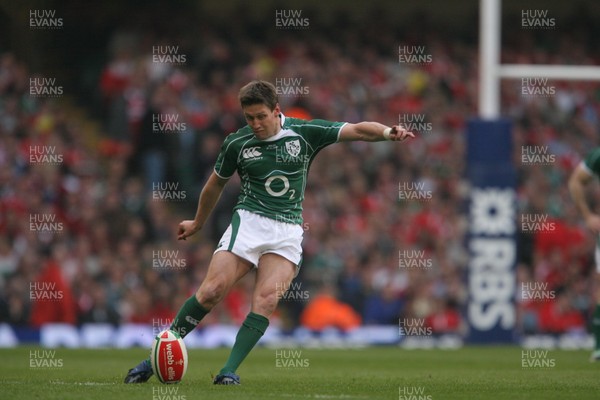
[(224, 271), (273, 273)]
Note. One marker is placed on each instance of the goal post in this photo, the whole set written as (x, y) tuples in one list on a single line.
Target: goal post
[(562, 72), (492, 210), (491, 71)]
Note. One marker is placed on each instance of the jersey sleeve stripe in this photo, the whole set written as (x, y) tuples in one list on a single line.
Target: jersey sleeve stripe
[(220, 176), (340, 132), (325, 127)]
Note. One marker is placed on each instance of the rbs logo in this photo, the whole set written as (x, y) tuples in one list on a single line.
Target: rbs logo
[(493, 254)]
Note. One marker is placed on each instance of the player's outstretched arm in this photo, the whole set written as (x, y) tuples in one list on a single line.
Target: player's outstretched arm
[(579, 179), (208, 198), (373, 132)]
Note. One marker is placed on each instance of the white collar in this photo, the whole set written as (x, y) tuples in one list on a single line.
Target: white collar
[(278, 134)]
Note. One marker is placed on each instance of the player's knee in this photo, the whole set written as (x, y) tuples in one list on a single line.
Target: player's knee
[(211, 293), (265, 303)]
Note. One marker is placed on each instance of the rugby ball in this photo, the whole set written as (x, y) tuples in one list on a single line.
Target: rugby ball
[(169, 357)]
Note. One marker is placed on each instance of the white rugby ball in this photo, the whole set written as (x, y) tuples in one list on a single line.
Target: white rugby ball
[(169, 357)]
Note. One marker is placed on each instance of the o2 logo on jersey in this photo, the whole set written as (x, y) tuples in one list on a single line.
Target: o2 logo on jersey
[(283, 189), (251, 152)]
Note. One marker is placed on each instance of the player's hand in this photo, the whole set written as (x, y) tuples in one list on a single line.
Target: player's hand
[(186, 229), (399, 133), (593, 223)]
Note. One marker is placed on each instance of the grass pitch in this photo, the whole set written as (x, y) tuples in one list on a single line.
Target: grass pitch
[(375, 373)]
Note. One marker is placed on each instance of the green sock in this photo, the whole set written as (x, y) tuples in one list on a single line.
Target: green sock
[(250, 332), (596, 325), (189, 316)]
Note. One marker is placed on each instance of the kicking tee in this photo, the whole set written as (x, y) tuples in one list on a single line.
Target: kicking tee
[(273, 172)]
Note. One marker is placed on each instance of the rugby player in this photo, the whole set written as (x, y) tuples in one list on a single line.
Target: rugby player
[(581, 177), (272, 155)]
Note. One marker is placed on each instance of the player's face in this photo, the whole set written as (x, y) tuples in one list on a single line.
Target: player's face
[(263, 121)]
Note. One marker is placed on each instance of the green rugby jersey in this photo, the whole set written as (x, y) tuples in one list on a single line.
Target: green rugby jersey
[(592, 161), (274, 171)]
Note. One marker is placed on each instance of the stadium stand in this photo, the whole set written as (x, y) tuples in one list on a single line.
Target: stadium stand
[(102, 255)]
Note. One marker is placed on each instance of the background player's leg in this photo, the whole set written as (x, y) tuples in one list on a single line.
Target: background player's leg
[(274, 272), (224, 271), (596, 314), (596, 321)]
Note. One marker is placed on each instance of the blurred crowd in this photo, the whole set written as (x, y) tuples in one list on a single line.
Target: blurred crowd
[(112, 256)]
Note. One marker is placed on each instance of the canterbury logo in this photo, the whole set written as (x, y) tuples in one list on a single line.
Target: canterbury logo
[(191, 320), (251, 152)]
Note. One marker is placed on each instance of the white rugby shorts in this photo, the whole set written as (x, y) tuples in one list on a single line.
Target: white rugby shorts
[(250, 235)]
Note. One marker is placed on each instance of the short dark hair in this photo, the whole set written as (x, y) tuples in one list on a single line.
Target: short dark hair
[(259, 92)]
